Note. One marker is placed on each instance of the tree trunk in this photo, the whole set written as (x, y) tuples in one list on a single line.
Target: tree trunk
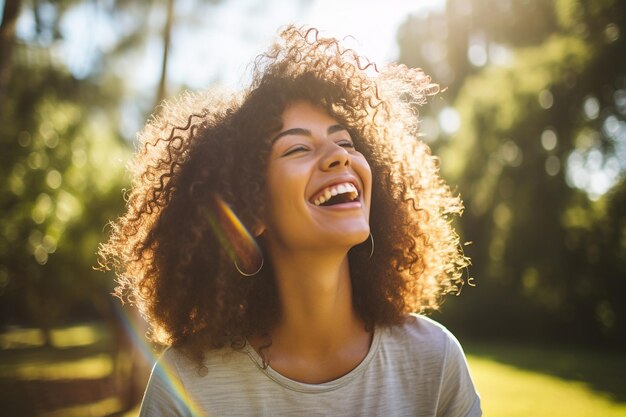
[(167, 33), (7, 38)]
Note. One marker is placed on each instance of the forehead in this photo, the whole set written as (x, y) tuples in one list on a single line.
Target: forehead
[(303, 113)]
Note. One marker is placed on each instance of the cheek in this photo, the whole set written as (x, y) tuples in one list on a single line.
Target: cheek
[(285, 187), (366, 176), (272, 194), (365, 172)]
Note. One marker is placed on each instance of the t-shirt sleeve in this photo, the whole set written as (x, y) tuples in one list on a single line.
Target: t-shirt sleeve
[(458, 396), (164, 395)]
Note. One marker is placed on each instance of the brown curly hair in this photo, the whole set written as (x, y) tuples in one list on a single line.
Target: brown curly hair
[(171, 264)]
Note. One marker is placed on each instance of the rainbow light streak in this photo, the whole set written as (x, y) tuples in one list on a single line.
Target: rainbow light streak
[(241, 248), (167, 373), (234, 237)]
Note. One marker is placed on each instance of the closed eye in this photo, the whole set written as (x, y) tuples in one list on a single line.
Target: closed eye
[(296, 149), (346, 144)]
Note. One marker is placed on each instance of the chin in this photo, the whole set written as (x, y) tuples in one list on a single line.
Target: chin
[(351, 237)]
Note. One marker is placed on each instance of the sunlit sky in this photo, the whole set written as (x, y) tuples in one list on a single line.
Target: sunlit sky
[(211, 44), (215, 43), (243, 28), (232, 46)]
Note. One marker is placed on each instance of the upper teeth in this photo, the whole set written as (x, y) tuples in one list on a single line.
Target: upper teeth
[(334, 190)]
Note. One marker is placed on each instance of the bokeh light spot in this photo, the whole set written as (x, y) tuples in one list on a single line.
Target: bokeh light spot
[(548, 139), (553, 165), (611, 126), (546, 99), (591, 108), (500, 55), (68, 206), (42, 208), (34, 239), (619, 96), (530, 280), (605, 314), (23, 139), (41, 256), (511, 153), (52, 140), (502, 215), (477, 50), (37, 160), (611, 32), (54, 179), (496, 249), (16, 180), (449, 120), (49, 243)]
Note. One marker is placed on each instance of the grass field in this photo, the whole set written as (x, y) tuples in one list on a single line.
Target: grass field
[(516, 381), (75, 377)]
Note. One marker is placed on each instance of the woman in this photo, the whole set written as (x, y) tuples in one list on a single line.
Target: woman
[(319, 158)]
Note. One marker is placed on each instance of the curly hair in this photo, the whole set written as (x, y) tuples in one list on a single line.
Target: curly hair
[(171, 264)]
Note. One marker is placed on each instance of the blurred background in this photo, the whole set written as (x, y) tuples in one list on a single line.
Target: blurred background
[(530, 128)]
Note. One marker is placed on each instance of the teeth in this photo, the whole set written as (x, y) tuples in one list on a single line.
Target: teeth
[(329, 192)]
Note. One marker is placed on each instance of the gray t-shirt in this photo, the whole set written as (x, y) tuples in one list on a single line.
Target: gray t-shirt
[(414, 369)]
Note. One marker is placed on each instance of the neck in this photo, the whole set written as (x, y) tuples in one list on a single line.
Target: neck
[(319, 336), (316, 300), (316, 296)]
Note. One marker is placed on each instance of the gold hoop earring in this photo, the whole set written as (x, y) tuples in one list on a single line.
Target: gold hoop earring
[(245, 274), (372, 250)]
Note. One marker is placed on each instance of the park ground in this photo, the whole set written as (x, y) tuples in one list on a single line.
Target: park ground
[(78, 376)]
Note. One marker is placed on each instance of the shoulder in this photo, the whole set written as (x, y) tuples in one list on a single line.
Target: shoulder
[(173, 366), (174, 360), (180, 385), (216, 362), (423, 333), (440, 355), (163, 395), (418, 324), (426, 346), (165, 369)]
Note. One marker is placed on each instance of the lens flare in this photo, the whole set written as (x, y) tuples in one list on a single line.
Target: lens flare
[(133, 326), (234, 237)]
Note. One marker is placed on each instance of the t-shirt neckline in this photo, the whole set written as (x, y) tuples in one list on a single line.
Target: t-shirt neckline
[(324, 386)]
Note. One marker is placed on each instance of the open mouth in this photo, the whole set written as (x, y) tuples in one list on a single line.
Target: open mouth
[(336, 194)]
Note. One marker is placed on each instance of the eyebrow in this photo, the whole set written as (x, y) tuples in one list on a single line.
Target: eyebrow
[(305, 132)]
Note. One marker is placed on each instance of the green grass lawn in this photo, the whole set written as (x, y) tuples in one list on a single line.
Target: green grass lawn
[(73, 377), (513, 380), (548, 382)]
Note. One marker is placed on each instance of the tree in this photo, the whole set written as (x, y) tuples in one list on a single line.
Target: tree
[(533, 103), (7, 36), (61, 170)]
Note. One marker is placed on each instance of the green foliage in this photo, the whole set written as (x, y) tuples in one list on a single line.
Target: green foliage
[(495, 100), (61, 172), (539, 130)]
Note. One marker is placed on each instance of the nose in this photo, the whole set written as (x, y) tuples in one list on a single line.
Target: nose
[(335, 157)]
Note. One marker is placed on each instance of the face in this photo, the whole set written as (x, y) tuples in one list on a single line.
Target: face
[(318, 183)]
